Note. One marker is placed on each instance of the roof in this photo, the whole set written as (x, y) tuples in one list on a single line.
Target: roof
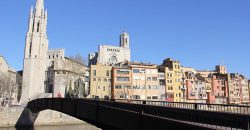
[(75, 61)]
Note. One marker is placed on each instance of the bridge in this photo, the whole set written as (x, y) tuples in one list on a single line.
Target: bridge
[(148, 115)]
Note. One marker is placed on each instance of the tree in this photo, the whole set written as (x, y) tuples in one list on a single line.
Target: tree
[(8, 86), (78, 58), (69, 93)]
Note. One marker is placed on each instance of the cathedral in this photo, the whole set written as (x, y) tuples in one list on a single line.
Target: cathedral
[(112, 55), (47, 72)]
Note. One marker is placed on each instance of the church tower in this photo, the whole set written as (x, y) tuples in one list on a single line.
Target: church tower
[(124, 39), (35, 53)]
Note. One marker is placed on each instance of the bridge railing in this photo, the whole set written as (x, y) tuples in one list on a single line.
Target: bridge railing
[(229, 108), (119, 111)]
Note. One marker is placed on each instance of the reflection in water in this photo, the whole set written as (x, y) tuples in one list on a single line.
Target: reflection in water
[(61, 127)]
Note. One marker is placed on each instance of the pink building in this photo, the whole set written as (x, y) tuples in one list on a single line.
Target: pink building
[(196, 88), (219, 94)]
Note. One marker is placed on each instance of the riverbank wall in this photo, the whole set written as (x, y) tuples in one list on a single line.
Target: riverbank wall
[(18, 116)]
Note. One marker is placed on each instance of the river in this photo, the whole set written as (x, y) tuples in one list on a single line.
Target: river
[(59, 127)]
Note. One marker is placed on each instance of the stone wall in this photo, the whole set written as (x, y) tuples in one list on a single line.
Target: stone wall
[(18, 116)]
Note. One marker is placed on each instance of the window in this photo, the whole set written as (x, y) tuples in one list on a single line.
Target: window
[(94, 79), (122, 79), (122, 71), (38, 26), (136, 96), (98, 87), (103, 88), (94, 72), (99, 79), (154, 97), (136, 87), (148, 97), (136, 71), (107, 73), (148, 78), (143, 70), (118, 87), (154, 78)]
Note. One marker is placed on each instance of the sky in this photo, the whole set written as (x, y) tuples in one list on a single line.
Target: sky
[(199, 33)]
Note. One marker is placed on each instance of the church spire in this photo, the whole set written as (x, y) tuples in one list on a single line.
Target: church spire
[(39, 6)]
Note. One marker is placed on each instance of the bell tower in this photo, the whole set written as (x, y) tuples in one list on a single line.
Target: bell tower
[(124, 39), (35, 53)]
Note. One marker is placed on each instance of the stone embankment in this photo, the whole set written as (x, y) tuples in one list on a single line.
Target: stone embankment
[(18, 116)]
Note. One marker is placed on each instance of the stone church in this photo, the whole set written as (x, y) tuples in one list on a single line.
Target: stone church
[(47, 72)]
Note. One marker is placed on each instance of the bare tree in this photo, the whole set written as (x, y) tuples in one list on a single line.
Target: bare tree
[(78, 58), (8, 86)]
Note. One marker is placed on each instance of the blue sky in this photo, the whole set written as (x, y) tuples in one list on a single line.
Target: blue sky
[(199, 33)]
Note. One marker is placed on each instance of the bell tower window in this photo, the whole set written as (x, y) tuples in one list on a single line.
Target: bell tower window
[(38, 24), (30, 49)]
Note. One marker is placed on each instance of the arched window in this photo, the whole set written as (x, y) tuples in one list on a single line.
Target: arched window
[(38, 26)]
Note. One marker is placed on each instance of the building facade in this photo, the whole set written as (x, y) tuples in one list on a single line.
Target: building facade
[(173, 75), (244, 90), (145, 82), (111, 55), (135, 80), (66, 78), (234, 88), (100, 81), (121, 82), (196, 88), (220, 89)]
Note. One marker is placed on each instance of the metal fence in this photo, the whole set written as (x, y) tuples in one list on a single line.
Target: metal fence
[(229, 108)]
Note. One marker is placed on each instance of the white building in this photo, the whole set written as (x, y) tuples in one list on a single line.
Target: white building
[(111, 55)]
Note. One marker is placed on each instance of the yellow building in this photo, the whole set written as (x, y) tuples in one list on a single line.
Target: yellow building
[(100, 81), (173, 77)]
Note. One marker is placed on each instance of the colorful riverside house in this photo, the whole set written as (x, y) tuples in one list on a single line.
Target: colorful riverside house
[(238, 89), (100, 81), (244, 90), (196, 88), (121, 82), (134, 80), (219, 88), (173, 77), (145, 82), (234, 86)]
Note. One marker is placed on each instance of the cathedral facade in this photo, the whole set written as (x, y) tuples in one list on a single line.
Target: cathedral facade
[(111, 55)]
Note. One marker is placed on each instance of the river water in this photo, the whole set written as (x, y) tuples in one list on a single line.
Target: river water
[(61, 127)]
